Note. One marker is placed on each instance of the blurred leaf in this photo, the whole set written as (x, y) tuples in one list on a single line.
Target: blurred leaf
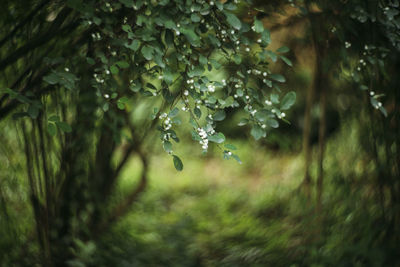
[(64, 126), (288, 100), (177, 163), (51, 129), (257, 132), (167, 145), (217, 138), (278, 78), (283, 49), (233, 20), (219, 115)]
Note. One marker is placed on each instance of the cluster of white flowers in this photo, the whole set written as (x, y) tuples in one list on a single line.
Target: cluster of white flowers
[(204, 135), (167, 121), (96, 36), (362, 63), (98, 79), (109, 7), (281, 115), (347, 44), (211, 88), (198, 103), (268, 103), (257, 72), (204, 138)]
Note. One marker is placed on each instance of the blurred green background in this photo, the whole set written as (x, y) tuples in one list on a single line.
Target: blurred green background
[(218, 212)]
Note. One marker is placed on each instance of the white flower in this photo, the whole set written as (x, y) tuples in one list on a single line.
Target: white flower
[(247, 49), (372, 93), (107, 72), (265, 74), (259, 41), (66, 69), (186, 92)]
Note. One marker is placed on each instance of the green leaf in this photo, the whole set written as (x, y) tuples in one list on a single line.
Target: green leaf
[(114, 69), (197, 112), (191, 36), (197, 71), (383, 110), (167, 145), (126, 28), (33, 111), (64, 126), (168, 76), (288, 100), (233, 20), (195, 18), (230, 147), (54, 118), (127, 3), (266, 37), (237, 58), (52, 78), (283, 49), (257, 132), (122, 64), (147, 52), (243, 122), (217, 138), (177, 163), (51, 129), (274, 98), (121, 106), (203, 60), (258, 26), (90, 61), (287, 61), (272, 123), (219, 115), (278, 78), (135, 87), (215, 64), (134, 45), (272, 56), (173, 113), (236, 157)]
